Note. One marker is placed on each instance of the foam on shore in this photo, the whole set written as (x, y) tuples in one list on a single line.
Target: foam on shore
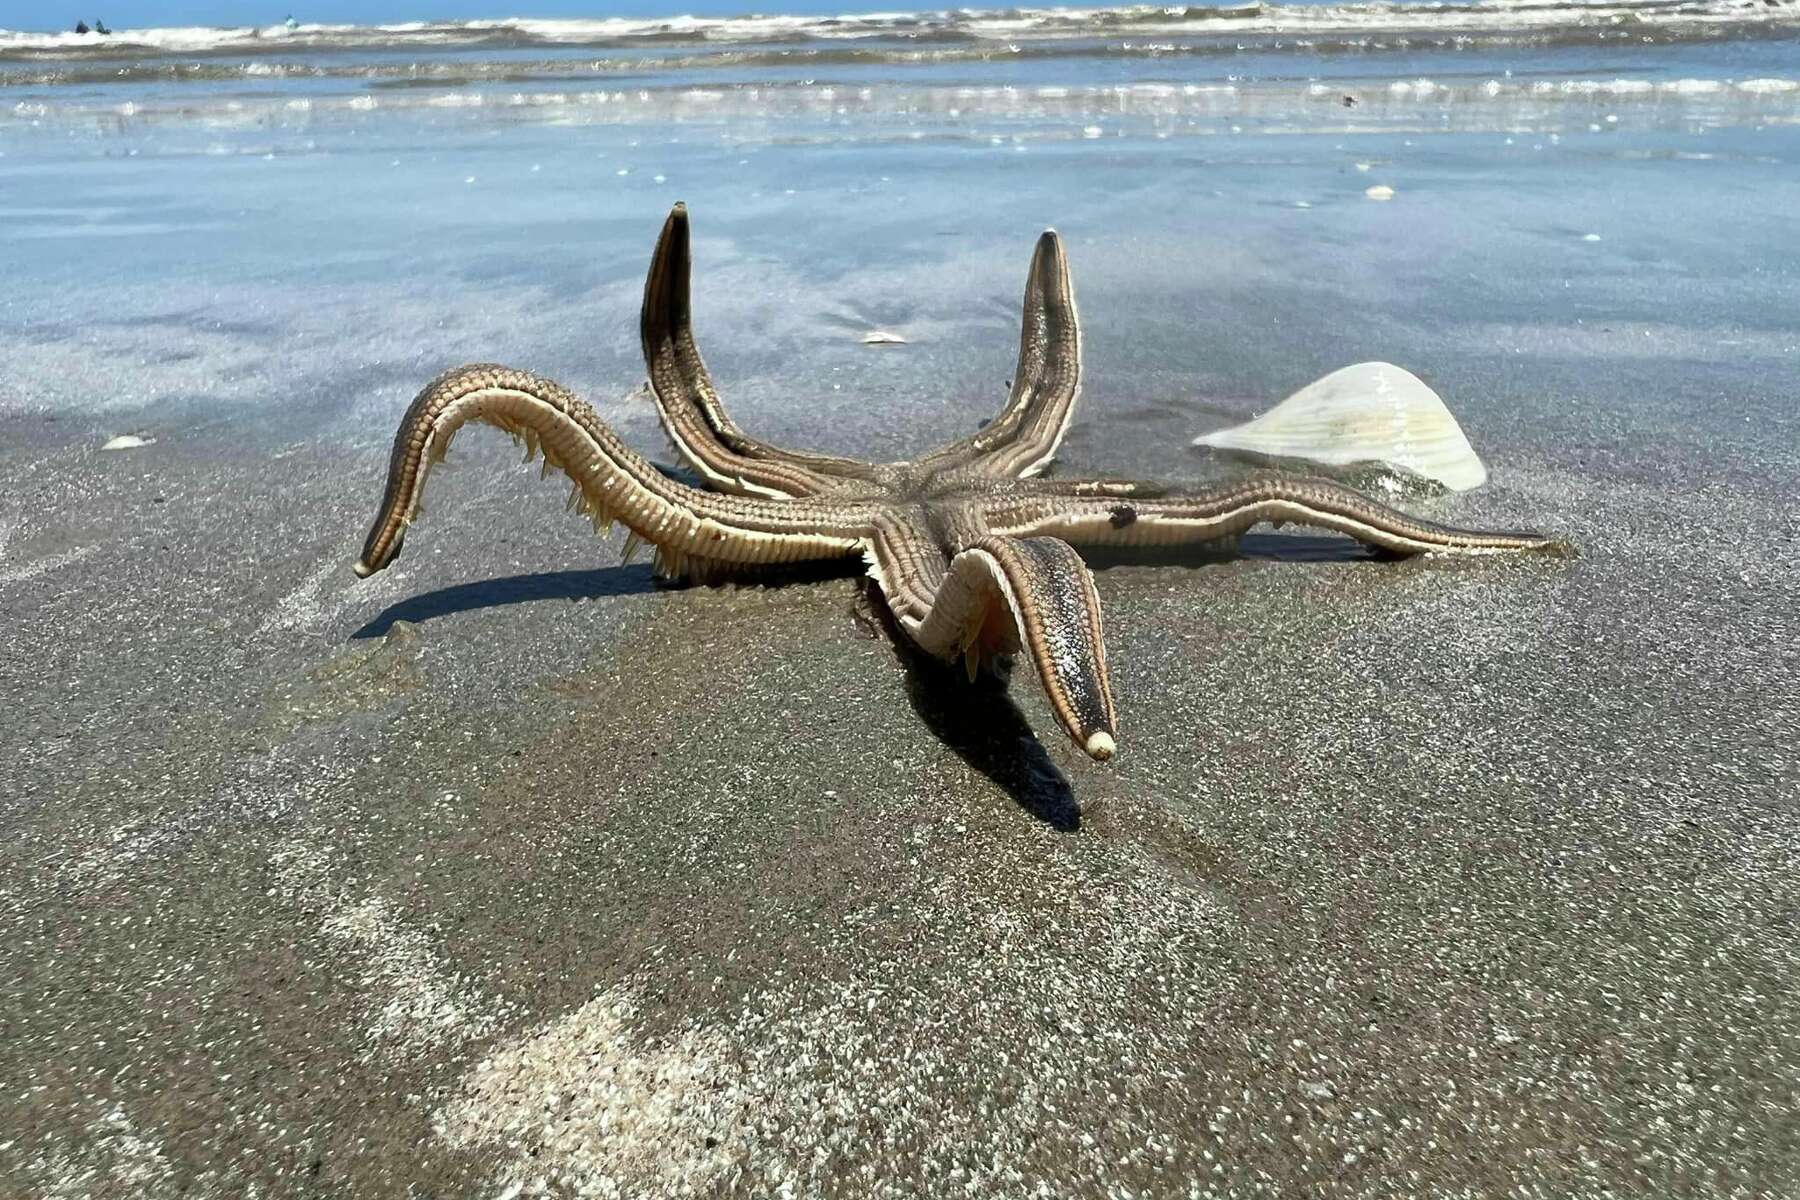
[(948, 25)]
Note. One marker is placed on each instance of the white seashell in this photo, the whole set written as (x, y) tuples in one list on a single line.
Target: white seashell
[(879, 337), (1380, 191), (128, 441), (1370, 413)]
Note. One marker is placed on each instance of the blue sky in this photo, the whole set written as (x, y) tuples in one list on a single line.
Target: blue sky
[(62, 14)]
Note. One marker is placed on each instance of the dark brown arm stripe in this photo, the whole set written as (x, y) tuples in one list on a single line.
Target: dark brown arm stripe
[(1022, 439), (1047, 597), (1058, 610), (1181, 519), (689, 405)]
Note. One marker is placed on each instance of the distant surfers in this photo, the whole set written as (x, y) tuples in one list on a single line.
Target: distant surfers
[(99, 27)]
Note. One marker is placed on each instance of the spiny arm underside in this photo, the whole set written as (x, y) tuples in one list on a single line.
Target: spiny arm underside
[(908, 563), (688, 527)]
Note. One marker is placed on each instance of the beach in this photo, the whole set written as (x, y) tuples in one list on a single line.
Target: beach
[(513, 871)]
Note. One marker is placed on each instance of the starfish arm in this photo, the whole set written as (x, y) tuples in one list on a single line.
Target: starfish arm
[(692, 413), (1000, 595), (1022, 440), (906, 561), (690, 528), (1153, 518)]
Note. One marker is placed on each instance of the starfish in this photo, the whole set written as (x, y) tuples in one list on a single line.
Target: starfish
[(977, 557)]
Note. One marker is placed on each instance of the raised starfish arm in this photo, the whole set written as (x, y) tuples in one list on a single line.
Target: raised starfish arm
[(998, 596), (1022, 440), (689, 405), (1065, 510), (691, 529)]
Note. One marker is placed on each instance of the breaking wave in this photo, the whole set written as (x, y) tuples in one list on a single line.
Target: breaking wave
[(978, 31)]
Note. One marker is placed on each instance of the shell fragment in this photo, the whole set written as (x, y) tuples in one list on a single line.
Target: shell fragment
[(1371, 413)]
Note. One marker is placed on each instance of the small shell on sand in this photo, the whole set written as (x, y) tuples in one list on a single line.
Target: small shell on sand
[(1370, 413), (880, 337), (128, 441), (1380, 191)]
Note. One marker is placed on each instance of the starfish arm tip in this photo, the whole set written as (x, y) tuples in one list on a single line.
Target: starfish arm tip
[(1100, 745), (362, 569)]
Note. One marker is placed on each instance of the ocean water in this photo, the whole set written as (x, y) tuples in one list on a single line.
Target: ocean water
[(1168, 70), (254, 221)]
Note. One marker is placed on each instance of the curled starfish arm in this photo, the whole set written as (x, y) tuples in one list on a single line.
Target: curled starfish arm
[(691, 529), (689, 405), (905, 559), (1000, 595), (1022, 439), (1125, 519)]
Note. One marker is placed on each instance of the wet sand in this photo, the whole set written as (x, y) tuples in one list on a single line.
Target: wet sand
[(510, 870)]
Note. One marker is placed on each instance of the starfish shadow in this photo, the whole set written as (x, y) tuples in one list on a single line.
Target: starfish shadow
[(512, 589), (981, 724), (1305, 547), (596, 584)]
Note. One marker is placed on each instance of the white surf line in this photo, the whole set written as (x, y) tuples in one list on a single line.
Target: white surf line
[(422, 1006), (10, 524)]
